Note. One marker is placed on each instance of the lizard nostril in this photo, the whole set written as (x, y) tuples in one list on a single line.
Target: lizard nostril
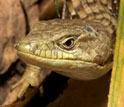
[(16, 46), (22, 46)]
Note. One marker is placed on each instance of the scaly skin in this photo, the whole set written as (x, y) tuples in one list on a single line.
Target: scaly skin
[(79, 48), (88, 57)]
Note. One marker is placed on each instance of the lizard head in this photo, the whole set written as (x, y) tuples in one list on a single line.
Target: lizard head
[(74, 48)]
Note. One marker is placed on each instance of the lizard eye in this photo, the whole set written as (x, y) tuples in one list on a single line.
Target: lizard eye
[(68, 43)]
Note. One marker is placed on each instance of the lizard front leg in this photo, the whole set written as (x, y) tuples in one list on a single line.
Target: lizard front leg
[(29, 78)]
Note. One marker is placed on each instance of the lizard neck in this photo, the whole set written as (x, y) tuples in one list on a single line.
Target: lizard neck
[(95, 10)]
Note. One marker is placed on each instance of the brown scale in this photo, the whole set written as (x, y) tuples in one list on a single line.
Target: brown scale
[(96, 10)]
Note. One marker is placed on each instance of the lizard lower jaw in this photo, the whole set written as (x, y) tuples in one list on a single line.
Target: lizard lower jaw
[(72, 68)]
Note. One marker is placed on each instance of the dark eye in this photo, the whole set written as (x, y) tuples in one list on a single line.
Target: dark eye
[(68, 43)]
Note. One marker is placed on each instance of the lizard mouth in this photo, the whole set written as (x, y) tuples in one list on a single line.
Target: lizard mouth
[(63, 63), (42, 51), (71, 68)]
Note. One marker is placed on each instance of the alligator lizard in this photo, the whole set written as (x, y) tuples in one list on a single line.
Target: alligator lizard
[(77, 48)]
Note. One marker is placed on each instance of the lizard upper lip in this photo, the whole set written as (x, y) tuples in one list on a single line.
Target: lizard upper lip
[(35, 49)]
